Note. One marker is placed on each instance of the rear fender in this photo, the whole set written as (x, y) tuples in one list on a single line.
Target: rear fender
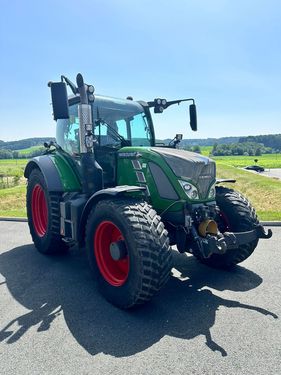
[(47, 167), (58, 173)]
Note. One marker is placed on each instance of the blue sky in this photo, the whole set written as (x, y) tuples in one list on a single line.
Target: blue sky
[(225, 54)]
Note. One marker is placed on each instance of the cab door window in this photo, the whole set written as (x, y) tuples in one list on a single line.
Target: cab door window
[(67, 134)]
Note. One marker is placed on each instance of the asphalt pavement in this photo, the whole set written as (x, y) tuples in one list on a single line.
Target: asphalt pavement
[(274, 172), (205, 321)]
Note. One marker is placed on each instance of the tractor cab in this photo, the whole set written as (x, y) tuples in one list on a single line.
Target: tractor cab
[(95, 127), (116, 123)]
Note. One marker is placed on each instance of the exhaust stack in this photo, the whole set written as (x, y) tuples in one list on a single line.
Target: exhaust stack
[(85, 118)]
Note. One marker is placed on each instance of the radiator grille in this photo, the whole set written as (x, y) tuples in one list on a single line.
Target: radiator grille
[(199, 169)]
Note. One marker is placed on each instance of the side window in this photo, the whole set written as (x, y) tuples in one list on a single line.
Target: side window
[(122, 128), (67, 134)]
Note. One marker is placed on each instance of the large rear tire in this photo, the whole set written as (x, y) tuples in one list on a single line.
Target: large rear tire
[(43, 215), (132, 230), (236, 215)]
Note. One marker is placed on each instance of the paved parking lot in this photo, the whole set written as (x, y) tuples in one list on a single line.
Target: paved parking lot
[(53, 320)]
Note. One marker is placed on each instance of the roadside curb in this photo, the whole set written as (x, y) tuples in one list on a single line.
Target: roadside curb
[(24, 220), (20, 219), (271, 223)]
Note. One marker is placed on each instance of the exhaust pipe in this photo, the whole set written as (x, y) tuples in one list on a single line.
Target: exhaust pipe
[(92, 171), (85, 118)]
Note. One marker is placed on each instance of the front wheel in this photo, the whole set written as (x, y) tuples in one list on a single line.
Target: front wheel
[(128, 251), (236, 214)]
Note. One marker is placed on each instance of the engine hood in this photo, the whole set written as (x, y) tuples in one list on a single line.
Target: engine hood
[(201, 170)]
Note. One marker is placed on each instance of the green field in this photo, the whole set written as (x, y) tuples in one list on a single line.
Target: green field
[(27, 151), (206, 150), (266, 160), (12, 167)]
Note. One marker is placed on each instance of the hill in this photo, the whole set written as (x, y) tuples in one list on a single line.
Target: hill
[(205, 141), (24, 143), (270, 140)]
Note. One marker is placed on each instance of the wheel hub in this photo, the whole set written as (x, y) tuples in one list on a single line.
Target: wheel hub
[(118, 250)]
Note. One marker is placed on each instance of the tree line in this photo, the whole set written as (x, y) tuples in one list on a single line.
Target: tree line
[(270, 140), (245, 148)]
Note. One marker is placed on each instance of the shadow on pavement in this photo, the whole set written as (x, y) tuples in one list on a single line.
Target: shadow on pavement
[(48, 286)]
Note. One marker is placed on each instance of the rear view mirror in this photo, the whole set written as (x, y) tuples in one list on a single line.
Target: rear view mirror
[(59, 100), (193, 117)]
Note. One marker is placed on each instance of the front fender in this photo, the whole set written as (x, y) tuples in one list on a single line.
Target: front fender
[(103, 194)]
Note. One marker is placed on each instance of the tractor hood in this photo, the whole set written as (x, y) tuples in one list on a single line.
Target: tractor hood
[(191, 166)]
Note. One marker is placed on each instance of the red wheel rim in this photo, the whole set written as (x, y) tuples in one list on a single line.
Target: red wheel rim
[(115, 272), (39, 210)]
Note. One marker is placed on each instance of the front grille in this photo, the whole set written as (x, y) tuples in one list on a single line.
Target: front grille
[(206, 178), (199, 169)]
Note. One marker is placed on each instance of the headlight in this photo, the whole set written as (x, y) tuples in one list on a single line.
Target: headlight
[(91, 89), (189, 189), (212, 191)]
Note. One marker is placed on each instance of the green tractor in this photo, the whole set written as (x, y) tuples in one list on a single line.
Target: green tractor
[(106, 184)]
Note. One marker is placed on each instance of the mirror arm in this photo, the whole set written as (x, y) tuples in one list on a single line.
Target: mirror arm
[(171, 102), (73, 88), (179, 101)]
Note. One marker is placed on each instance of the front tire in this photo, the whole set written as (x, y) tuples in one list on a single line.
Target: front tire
[(134, 231), (43, 215), (236, 214)]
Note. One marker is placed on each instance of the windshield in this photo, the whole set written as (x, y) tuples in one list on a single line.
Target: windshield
[(120, 122)]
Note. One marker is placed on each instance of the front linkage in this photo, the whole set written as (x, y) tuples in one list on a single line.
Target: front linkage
[(220, 243)]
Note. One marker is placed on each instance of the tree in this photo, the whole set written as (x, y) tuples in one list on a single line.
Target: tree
[(196, 149), (6, 154), (15, 154)]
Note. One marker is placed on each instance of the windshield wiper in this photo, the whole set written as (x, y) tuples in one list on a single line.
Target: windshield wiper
[(115, 134)]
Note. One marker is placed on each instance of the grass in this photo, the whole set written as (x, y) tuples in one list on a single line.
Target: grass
[(12, 167), (206, 150), (266, 160), (12, 201), (264, 193)]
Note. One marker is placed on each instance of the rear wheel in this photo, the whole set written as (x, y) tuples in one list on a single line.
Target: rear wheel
[(43, 215), (236, 215), (128, 250)]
